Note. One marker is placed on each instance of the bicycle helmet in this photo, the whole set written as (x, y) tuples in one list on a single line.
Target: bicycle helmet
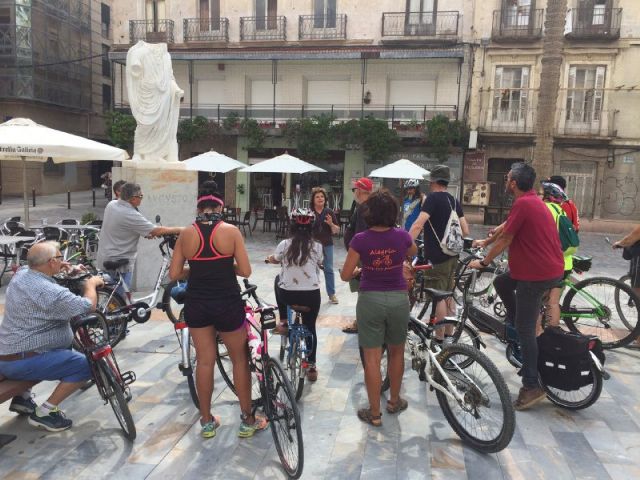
[(553, 192), (302, 217), (412, 183)]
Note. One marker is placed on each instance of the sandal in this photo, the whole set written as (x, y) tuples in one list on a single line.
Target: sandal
[(397, 407), (366, 416)]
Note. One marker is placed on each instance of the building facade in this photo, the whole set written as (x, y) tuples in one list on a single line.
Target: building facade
[(54, 69), (402, 62), (596, 142)]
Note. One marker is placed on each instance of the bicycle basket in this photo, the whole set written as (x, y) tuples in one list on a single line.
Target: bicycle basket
[(581, 264)]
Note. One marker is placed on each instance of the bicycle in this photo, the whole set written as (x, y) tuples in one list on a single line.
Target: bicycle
[(275, 393), (112, 385), (472, 397), (297, 346), (140, 308)]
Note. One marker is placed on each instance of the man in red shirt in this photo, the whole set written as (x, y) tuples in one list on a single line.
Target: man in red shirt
[(535, 263)]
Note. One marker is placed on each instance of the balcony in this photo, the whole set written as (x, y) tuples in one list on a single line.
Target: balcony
[(322, 27), (206, 30), (273, 28), (424, 26), (509, 121), (517, 25), (598, 22), (587, 123), (151, 31)]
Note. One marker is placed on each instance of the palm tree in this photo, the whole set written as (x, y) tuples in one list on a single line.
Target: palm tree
[(552, 46)]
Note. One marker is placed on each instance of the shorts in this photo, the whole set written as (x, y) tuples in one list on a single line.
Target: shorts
[(224, 314), (634, 272), (442, 275), (383, 317), (64, 365)]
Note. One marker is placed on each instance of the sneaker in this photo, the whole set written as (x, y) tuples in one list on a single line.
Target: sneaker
[(22, 406), (333, 299), (249, 429), (209, 428), (312, 373), (528, 397), (54, 422)]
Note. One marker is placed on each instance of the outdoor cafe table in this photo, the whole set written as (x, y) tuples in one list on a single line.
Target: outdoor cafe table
[(7, 242)]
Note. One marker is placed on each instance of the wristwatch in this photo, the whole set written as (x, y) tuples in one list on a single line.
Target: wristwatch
[(483, 264)]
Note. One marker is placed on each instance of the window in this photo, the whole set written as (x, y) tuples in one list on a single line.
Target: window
[(106, 64), (324, 14), (511, 92), (155, 10), (516, 13), (594, 12), (420, 16), (585, 94), (106, 98), (266, 14), (105, 15), (209, 14)]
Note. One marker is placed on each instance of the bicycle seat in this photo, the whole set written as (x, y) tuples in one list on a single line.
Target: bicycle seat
[(300, 308), (115, 264), (438, 295), (83, 321)]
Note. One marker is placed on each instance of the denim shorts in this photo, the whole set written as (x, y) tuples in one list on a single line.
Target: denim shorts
[(64, 365)]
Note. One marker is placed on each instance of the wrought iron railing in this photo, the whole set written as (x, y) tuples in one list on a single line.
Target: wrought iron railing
[(517, 24), (595, 22), (509, 120), (587, 122), (206, 30), (422, 25), (152, 31), (322, 27), (263, 28)]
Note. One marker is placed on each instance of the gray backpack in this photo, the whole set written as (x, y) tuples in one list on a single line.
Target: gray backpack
[(451, 243)]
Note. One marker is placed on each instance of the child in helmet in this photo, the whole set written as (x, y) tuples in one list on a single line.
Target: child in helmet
[(412, 204)]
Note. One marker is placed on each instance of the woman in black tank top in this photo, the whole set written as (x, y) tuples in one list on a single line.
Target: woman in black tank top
[(216, 253)]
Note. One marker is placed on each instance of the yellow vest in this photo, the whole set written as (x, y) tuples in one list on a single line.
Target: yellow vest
[(568, 253)]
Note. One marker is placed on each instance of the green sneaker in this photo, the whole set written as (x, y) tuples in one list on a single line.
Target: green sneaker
[(209, 428), (249, 429)]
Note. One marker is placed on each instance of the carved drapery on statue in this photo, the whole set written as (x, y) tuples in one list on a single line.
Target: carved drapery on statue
[(154, 97)]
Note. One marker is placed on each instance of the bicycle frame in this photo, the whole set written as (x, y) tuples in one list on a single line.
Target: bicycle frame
[(582, 312), (297, 331)]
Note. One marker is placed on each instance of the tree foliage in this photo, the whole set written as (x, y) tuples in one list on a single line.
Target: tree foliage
[(121, 128), (312, 136), (442, 134), (192, 129)]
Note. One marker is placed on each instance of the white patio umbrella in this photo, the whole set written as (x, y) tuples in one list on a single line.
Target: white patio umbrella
[(284, 163), (402, 168), (212, 162), (24, 140)]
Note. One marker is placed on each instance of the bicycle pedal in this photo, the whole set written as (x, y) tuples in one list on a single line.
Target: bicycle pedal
[(128, 377)]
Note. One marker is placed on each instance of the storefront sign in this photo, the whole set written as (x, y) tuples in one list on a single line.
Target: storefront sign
[(476, 193), (474, 168)]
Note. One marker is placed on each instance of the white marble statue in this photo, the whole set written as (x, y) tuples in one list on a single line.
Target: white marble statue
[(154, 97)]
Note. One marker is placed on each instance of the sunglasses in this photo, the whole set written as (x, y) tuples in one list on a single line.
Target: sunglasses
[(138, 196)]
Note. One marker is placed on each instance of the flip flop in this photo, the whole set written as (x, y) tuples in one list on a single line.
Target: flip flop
[(366, 416), (397, 407)]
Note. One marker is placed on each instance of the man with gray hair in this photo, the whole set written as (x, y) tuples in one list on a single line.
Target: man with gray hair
[(36, 336), (123, 225)]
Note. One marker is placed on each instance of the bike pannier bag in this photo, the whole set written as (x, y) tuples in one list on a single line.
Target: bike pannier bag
[(564, 361), (452, 242)]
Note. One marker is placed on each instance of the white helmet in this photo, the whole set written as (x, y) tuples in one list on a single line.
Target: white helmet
[(412, 183)]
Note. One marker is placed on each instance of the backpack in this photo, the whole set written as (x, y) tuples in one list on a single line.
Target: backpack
[(564, 358), (451, 243), (568, 236)]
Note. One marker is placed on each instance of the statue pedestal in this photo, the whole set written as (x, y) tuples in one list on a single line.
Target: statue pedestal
[(168, 192)]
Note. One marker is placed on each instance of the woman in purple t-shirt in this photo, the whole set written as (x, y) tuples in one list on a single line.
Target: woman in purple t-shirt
[(382, 310)]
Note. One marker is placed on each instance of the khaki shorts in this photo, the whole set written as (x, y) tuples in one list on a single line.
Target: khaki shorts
[(442, 275), (383, 317)]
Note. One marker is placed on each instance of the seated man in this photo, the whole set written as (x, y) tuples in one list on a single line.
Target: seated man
[(35, 334)]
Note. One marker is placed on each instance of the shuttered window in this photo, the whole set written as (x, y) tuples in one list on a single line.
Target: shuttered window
[(585, 93)]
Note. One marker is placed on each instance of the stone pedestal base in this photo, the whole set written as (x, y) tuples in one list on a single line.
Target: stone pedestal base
[(168, 192)]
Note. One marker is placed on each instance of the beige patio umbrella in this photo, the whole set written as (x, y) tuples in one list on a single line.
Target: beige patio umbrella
[(22, 139)]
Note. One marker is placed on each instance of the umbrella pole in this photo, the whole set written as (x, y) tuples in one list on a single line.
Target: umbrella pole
[(24, 191)]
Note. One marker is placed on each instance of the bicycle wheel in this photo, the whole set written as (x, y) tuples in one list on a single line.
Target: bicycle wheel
[(588, 308), (621, 298), (485, 418), (284, 418), (386, 383), (113, 390), (577, 399), (188, 370), (294, 364), (108, 301), (454, 331), (169, 305)]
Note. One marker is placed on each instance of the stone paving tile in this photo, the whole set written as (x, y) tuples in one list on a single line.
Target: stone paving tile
[(602, 441)]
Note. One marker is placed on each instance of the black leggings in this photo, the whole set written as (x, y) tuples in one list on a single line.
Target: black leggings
[(307, 298)]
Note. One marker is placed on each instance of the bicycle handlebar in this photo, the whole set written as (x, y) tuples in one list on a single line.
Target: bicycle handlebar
[(250, 290)]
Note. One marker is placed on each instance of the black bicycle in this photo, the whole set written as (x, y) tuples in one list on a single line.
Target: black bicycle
[(112, 385)]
